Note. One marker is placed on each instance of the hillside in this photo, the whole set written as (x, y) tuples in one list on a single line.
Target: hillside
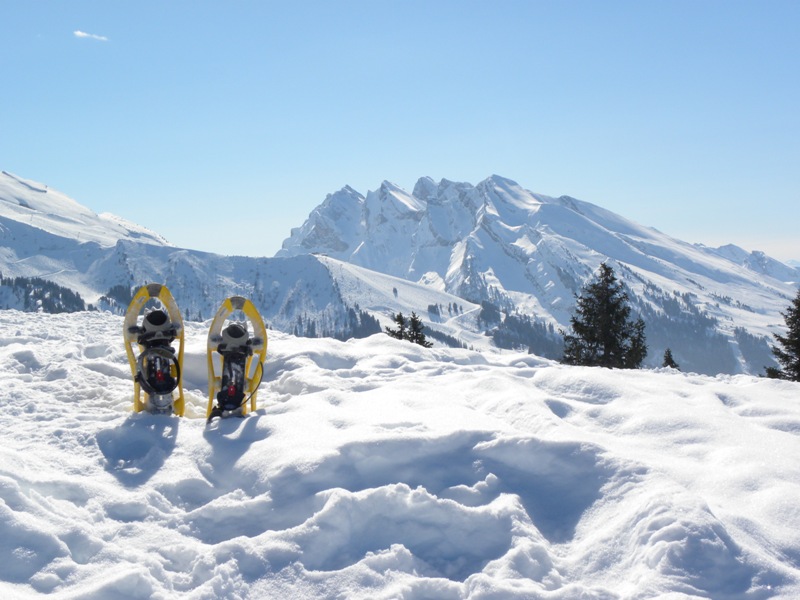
[(46, 210), (374, 469)]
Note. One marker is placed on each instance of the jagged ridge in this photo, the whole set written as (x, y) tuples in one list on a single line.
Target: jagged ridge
[(530, 253)]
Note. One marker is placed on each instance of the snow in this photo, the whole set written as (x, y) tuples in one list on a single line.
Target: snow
[(532, 253), (523, 252), (377, 469), (53, 213)]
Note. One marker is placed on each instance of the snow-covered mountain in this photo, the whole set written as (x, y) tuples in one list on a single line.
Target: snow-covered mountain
[(487, 265), (374, 470), (48, 211), (529, 253), (47, 235)]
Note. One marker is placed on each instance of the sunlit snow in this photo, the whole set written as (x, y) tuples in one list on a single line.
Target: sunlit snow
[(377, 469)]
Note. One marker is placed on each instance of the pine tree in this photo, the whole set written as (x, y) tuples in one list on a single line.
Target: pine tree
[(637, 346), (400, 333), (411, 330), (669, 362), (416, 333), (602, 333), (788, 349)]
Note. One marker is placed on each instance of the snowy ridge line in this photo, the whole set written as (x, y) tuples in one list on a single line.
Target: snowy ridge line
[(29, 185), (512, 259), (54, 214), (517, 478)]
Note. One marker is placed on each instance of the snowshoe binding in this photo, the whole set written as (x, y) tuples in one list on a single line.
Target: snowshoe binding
[(155, 365), (235, 359)]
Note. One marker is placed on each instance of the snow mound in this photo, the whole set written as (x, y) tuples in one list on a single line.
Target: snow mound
[(376, 469)]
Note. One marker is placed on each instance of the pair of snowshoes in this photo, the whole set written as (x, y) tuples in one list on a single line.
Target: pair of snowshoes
[(235, 357)]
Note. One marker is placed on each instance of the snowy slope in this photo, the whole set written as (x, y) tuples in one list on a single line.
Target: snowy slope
[(384, 295), (374, 469), (46, 234), (49, 211)]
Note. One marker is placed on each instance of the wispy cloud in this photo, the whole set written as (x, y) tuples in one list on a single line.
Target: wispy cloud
[(91, 36)]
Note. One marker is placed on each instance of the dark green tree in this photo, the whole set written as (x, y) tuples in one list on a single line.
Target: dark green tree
[(603, 334), (411, 330), (400, 333), (637, 346), (669, 361), (787, 351), (416, 332)]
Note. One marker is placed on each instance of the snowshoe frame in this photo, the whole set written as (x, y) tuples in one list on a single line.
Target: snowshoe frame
[(145, 401), (254, 368)]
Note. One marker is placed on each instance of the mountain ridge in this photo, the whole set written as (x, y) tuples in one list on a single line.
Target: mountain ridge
[(530, 253), (56, 213), (486, 266)]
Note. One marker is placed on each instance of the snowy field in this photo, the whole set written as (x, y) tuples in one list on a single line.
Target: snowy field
[(377, 469)]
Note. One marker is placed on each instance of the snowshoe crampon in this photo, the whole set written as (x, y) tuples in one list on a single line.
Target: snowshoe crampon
[(152, 325), (237, 347)]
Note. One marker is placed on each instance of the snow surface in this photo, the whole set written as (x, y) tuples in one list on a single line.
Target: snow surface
[(54, 213), (377, 469)]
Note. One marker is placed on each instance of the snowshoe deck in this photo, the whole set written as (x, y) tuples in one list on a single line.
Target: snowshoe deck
[(235, 359), (155, 366)]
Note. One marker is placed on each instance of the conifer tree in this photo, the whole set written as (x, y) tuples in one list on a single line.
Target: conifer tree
[(669, 361), (637, 346), (416, 333), (410, 329), (399, 333), (788, 349), (602, 333)]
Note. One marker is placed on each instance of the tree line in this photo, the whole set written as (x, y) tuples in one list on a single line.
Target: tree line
[(33, 294)]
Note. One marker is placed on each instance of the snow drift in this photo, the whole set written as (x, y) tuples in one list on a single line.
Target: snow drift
[(377, 469)]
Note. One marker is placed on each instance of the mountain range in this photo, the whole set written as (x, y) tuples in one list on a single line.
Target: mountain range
[(486, 266)]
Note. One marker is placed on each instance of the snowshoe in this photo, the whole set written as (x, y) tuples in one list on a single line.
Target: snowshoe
[(155, 365), (235, 359)]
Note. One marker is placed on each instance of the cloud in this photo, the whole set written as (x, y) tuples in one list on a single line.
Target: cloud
[(92, 36)]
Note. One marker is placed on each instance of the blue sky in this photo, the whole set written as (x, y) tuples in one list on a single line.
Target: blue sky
[(221, 125)]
